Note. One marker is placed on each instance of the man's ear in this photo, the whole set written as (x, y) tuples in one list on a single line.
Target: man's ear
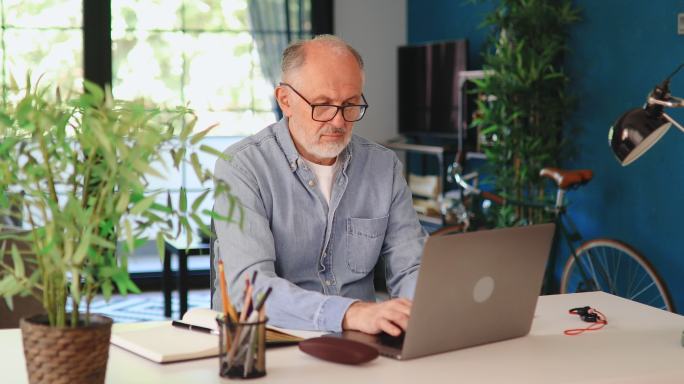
[(283, 99)]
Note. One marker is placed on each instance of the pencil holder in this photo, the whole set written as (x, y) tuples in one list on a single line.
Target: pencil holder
[(242, 349)]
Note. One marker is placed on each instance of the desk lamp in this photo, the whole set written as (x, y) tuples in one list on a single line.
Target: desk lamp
[(639, 128)]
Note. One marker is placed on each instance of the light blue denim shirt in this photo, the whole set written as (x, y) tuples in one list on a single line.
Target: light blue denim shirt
[(318, 258)]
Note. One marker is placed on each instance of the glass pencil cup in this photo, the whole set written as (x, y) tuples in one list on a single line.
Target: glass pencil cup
[(242, 349)]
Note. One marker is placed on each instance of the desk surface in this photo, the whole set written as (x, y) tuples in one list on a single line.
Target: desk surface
[(640, 344)]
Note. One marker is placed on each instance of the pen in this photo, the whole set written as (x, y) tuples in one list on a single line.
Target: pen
[(257, 309), (246, 307), (191, 327), (239, 332), (261, 338), (253, 317), (256, 333)]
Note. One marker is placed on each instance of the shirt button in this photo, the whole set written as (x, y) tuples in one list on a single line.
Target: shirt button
[(328, 282), (311, 183), (293, 165)]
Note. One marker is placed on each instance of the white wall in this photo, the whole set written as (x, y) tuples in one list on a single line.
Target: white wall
[(375, 28)]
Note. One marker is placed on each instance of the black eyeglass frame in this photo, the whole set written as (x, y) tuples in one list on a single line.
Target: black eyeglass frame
[(339, 107)]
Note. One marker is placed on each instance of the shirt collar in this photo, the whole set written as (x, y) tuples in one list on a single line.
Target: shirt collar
[(282, 133)]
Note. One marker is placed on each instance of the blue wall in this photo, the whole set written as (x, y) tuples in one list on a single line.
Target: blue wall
[(620, 50)]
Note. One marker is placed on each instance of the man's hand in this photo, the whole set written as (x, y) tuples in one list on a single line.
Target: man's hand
[(389, 316)]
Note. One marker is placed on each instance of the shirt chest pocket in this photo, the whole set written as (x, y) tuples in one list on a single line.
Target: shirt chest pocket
[(364, 242)]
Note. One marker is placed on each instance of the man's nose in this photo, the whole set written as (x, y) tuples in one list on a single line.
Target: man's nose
[(338, 120)]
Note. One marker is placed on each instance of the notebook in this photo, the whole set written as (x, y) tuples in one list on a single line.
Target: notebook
[(472, 289), (166, 343)]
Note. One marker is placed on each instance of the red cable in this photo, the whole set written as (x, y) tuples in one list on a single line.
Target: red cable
[(601, 321)]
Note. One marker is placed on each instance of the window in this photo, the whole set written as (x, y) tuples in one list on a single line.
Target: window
[(200, 53), (195, 52), (44, 37)]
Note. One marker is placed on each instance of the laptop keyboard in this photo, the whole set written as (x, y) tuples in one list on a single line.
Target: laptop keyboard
[(391, 341)]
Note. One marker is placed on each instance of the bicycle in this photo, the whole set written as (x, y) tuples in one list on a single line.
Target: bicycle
[(599, 264)]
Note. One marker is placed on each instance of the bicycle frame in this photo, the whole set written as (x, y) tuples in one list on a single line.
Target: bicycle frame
[(565, 228), (598, 264)]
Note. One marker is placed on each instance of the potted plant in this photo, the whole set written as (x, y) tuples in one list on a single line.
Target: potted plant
[(523, 122), (82, 166)]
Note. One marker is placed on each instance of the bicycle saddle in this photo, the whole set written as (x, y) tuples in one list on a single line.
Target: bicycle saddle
[(567, 178)]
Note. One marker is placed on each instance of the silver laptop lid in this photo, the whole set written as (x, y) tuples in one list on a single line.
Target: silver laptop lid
[(477, 288)]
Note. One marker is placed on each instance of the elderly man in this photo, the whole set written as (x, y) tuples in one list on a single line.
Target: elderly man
[(321, 205)]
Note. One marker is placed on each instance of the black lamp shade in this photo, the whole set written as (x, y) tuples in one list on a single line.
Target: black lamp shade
[(636, 131)]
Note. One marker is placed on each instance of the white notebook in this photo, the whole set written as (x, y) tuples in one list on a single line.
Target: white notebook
[(166, 343)]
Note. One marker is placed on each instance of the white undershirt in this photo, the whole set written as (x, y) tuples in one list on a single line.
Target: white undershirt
[(325, 174)]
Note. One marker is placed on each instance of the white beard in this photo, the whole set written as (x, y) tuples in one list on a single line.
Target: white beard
[(326, 150)]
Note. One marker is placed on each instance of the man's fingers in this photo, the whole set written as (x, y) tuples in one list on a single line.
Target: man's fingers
[(398, 318), (404, 301), (401, 306), (389, 327)]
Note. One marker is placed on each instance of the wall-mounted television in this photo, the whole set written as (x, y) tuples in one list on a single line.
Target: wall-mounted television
[(428, 88)]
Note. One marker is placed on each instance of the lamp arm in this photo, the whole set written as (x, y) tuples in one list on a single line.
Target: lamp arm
[(673, 121), (672, 102)]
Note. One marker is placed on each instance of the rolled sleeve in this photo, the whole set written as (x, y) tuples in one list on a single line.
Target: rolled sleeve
[(330, 314)]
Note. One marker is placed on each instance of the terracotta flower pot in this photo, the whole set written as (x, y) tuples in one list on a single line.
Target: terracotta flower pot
[(63, 354)]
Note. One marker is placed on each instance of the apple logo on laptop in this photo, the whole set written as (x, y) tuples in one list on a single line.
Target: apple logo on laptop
[(483, 289)]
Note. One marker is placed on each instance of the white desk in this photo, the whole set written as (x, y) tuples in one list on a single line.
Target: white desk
[(639, 345)]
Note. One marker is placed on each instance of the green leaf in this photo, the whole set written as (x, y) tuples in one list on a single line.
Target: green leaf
[(146, 169), (201, 224), (187, 228), (144, 204), (199, 200), (129, 236), (169, 203), (101, 242), (194, 160), (178, 157), (199, 136), (18, 262), (160, 208), (187, 129), (80, 253), (124, 199), (161, 246), (9, 302), (8, 285), (213, 151), (94, 90), (119, 278), (107, 289), (183, 200)]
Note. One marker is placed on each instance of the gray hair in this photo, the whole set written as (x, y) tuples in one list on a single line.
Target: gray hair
[(294, 55)]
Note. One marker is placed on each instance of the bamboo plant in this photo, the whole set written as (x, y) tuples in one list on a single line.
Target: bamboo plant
[(81, 169), (523, 117)]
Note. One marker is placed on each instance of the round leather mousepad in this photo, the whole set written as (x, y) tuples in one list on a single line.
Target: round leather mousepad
[(338, 350)]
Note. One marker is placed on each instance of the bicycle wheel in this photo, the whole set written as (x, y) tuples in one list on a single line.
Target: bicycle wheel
[(615, 267)]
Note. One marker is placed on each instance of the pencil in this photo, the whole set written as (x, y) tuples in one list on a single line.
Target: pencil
[(228, 309), (261, 338), (248, 302)]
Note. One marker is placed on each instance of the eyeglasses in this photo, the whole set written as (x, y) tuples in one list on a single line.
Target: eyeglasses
[(327, 112)]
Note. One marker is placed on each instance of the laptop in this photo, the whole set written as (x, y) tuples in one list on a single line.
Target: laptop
[(472, 289)]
